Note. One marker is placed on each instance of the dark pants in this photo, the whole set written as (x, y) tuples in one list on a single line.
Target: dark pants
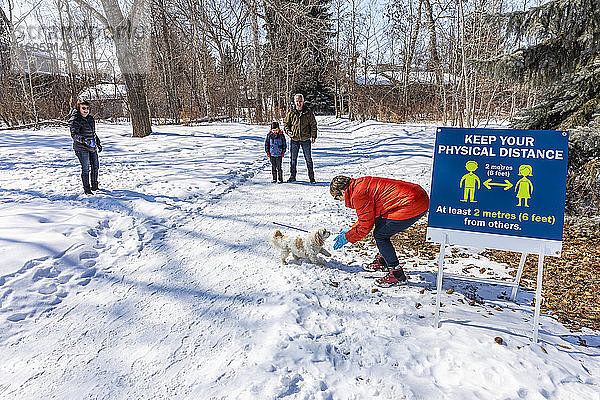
[(383, 232), (295, 149), (276, 168), (89, 163)]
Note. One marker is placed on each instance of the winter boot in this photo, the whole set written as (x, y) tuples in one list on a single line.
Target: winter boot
[(394, 278), (292, 179), (87, 190), (378, 265)]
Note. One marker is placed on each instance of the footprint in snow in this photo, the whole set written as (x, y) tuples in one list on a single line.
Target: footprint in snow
[(17, 317), (64, 278), (88, 254), (47, 289), (55, 300), (88, 273), (48, 272)]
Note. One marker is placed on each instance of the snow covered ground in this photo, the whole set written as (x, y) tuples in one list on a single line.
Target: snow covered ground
[(163, 284)]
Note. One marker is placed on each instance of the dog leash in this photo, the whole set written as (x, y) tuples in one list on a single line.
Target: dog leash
[(288, 226)]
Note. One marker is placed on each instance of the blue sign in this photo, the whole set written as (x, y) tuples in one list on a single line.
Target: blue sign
[(500, 182)]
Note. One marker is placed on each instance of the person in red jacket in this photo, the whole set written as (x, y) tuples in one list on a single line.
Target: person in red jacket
[(388, 204)]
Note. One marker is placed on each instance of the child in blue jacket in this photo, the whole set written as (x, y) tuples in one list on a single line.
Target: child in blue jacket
[(275, 147)]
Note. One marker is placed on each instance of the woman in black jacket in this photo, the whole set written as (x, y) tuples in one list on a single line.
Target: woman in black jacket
[(86, 144)]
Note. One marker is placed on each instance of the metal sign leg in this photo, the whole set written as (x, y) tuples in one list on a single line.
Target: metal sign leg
[(513, 295), (538, 295), (439, 281)]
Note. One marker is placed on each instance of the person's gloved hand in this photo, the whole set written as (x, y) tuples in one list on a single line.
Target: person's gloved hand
[(340, 240), (269, 155), (99, 147)]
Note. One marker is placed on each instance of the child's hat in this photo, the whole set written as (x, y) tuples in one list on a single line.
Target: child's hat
[(274, 125)]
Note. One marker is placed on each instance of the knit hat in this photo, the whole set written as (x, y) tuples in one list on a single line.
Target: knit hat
[(274, 125), (338, 185)]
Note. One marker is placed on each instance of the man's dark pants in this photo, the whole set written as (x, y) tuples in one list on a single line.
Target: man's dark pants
[(306, 150), (89, 163), (384, 230)]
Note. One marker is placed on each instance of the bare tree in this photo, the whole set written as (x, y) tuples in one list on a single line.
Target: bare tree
[(436, 63), (258, 98), (123, 29), (25, 72)]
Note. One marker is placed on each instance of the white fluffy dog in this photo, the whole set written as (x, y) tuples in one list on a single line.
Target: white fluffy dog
[(307, 247)]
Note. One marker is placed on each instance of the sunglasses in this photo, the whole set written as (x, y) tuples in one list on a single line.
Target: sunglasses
[(84, 107)]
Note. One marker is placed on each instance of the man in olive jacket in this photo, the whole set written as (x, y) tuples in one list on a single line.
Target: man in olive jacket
[(300, 124)]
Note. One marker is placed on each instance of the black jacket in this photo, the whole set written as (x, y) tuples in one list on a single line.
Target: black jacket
[(83, 132)]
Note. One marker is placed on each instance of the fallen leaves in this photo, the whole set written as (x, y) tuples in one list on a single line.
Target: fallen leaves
[(571, 283)]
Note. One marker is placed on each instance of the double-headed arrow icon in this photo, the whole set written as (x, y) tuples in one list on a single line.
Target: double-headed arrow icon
[(488, 184)]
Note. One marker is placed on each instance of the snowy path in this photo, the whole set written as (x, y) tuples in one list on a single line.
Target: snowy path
[(177, 293)]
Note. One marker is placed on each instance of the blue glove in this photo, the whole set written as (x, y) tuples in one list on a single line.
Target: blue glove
[(340, 240)]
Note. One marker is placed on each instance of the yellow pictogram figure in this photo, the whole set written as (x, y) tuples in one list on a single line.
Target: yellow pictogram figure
[(524, 187), (469, 181)]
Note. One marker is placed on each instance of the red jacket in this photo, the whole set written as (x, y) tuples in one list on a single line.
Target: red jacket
[(373, 197)]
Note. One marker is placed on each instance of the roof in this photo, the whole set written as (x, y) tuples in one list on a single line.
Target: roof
[(104, 91)]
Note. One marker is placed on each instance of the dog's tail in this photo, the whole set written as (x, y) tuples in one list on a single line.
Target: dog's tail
[(277, 236)]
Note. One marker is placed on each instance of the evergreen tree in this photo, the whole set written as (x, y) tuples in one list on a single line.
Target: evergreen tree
[(562, 58), (297, 51)]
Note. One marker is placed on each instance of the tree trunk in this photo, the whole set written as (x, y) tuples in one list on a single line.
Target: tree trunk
[(122, 30), (201, 53), (256, 47), (435, 58), (136, 91), (22, 72), (465, 75), (64, 31), (409, 59), (166, 55), (337, 91)]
